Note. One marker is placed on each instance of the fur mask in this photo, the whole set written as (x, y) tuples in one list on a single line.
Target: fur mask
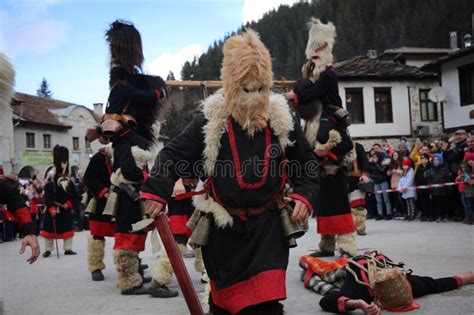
[(247, 78), (319, 48)]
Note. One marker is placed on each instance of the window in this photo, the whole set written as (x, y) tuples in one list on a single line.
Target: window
[(75, 143), (383, 105), (355, 105), (466, 84), (47, 141), (88, 144), (428, 109), (30, 140)]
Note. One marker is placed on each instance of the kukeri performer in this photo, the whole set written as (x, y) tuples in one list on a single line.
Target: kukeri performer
[(9, 196), (358, 184), (243, 125), (132, 110), (318, 103), (58, 197), (373, 282), (179, 212), (97, 182)]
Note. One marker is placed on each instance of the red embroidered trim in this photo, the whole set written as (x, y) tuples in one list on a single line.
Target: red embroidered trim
[(357, 203), (266, 286), (235, 154), (101, 228), (153, 197), (125, 241), (104, 191), (341, 304), (52, 210), (458, 281), (178, 224), (23, 216), (336, 224), (158, 94), (302, 199), (57, 236)]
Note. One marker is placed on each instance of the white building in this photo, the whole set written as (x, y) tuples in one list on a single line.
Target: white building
[(414, 56), (388, 99), (40, 124), (457, 80)]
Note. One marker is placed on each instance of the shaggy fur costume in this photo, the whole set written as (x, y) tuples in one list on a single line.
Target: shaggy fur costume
[(141, 157), (280, 122), (319, 48), (7, 80), (311, 133), (345, 242), (95, 254), (216, 114), (127, 263), (359, 215), (247, 76), (198, 261), (162, 270)]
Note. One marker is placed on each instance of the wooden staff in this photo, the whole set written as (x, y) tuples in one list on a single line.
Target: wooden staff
[(214, 84), (177, 263)]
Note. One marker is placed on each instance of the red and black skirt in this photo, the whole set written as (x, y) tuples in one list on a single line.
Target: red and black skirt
[(247, 262), (333, 213)]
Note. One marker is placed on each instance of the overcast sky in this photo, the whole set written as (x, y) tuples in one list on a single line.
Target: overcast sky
[(63, 40)]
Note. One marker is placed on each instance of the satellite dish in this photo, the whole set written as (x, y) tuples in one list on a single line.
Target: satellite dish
[(437, 94)]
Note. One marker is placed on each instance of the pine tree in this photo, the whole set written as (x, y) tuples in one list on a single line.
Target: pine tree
[(170, 76), (44, 90)]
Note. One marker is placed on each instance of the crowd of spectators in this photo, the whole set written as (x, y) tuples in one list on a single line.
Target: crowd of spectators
[(443, 160)]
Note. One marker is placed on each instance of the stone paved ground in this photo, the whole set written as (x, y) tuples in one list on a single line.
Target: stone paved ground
[(63, 286)]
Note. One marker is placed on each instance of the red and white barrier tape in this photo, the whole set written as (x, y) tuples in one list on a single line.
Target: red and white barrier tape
[(415, 188)]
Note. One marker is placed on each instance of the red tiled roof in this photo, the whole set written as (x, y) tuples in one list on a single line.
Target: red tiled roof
[(37, 110)]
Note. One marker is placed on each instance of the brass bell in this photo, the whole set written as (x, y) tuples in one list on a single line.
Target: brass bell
[(193, 220), (91, 207), (200, 236), (111, 207), (292, 230)]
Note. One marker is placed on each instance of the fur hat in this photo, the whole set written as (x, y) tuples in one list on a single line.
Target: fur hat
[(247, 78), (320, 35), (319, 48), (61, 160)]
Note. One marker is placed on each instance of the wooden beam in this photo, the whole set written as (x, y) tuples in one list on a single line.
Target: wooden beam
[(213, 84)]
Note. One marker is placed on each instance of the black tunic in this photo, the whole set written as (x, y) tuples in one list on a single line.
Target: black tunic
[(10, 197), (324, 89), (64, 219), (333, 212), (97, 181), (129, 209), (246, 262)]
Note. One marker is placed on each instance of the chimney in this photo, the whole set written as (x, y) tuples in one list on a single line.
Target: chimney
[(372, 53), (453, 40), (98, 109)]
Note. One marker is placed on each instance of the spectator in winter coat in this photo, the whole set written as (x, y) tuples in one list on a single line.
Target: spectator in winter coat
[(424, 196), (378, 173), (439, 174), (405, 185)]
